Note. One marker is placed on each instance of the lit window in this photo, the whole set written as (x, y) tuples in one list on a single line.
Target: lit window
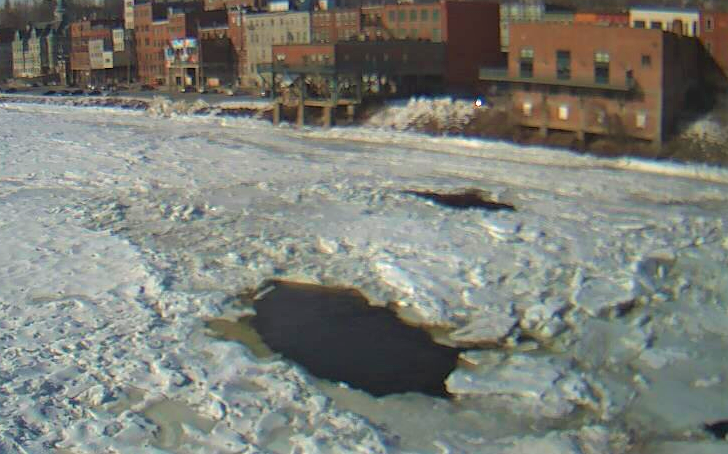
[(563, 112), (527, 108), (641, 120)]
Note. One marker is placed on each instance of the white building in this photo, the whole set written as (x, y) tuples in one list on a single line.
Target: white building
[(129, 14), (263, 30), (665, 19)]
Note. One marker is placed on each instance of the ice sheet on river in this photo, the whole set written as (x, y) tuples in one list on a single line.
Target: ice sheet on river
[(604, 293)]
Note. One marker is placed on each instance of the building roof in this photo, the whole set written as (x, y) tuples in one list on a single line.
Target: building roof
[(664, 9)]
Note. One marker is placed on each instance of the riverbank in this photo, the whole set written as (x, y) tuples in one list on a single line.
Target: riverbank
[(699, 142)]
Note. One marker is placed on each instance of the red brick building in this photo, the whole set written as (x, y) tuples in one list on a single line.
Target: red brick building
[(332, 25), (470, 30), (714, 35), (155, 25), (599, 80)]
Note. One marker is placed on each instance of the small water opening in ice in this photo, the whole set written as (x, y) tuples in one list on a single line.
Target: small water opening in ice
[(336, 335), (463, 200), (718, 429)]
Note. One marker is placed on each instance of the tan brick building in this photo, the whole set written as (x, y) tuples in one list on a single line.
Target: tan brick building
[(599, 80)]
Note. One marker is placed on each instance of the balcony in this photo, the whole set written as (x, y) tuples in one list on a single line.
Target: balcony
[(501, 75)]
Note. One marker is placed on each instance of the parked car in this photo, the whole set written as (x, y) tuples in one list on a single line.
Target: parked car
[(64, 93), (147, 87), (77, 92), (49, 93), (94, 93), (11, 90)]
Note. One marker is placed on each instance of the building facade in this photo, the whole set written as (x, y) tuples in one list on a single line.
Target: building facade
[(714, 36), (263, 31), (155, 26), (99, 53), (589, 79), (40, 51), (337, 24)]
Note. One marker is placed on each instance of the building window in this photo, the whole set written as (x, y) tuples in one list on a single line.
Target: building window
[(601, 117), (629, 78), (526, 62), (563, 64), (402, 33), (413, 15), (527, 108), (402, 16), (641, 120), (695, 28), (392, 16), (709, 24), (435, 15), (601, 67), (563, 112), (424, 15), (657, 25), (436, 36), (709, 47), (646, 61), (639, 24), (413, 33)]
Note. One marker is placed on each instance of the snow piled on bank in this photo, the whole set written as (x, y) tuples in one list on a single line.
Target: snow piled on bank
[(603, 298), (438, 113)]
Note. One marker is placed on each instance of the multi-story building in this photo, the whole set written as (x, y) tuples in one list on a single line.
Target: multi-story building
[(236, 32), (264, 30), (129, 14), (155, 26), (40, 50), (206, 61), (337, 24), (470, 30), (98, 52), (599, 80), (665, 19), (6, 53), (714, 35)]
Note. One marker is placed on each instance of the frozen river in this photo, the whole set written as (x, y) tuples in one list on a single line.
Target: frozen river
[(602, 298)]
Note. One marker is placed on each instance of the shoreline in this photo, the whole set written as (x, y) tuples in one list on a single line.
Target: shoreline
[(488, 124)]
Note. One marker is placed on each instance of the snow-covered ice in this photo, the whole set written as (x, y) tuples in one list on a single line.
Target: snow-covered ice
[(603, 296)]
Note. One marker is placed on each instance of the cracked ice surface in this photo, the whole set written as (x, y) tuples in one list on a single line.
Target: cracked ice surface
[(122, 231)]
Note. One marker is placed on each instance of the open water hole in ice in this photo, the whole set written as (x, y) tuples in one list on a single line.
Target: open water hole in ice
[(336, 335), (471, 198)]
